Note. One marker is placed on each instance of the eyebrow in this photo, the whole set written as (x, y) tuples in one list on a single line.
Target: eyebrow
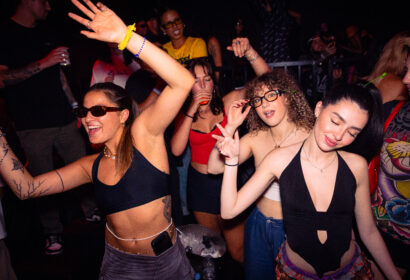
[(344, 121)]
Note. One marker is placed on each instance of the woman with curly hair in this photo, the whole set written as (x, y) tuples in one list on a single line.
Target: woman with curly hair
[(195, 126), (278, 115), (389, 70)]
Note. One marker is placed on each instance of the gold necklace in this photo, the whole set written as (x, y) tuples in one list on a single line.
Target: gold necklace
[(283, 140), (108, 154), (320, 169)]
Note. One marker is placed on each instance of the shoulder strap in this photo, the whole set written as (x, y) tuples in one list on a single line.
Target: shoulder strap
[(393, 114)]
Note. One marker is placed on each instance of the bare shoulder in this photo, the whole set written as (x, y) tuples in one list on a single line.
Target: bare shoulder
[(356, 163), (278, 159), (234, 95)]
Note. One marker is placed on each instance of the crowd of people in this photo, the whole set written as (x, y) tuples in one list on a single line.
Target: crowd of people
[(326, 195)]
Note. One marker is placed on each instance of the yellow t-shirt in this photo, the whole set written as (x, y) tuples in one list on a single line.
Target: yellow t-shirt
[(192, 48)]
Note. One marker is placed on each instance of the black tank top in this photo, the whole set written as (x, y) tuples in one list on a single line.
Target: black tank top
[(302, 221), (141, 183)]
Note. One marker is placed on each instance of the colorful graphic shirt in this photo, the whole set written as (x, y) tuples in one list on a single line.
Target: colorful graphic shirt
[(192, 48), (391, 201)]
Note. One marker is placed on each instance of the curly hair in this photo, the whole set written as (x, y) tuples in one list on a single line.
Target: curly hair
[(299, 111), (393, 57)]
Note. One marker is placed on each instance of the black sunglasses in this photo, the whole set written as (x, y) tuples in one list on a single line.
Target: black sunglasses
[(169, 24), (269, 96), (96, 111)]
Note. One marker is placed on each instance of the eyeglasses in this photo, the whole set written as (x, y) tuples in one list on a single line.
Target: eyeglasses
[(269, 96), (96, 111), (170, 24)]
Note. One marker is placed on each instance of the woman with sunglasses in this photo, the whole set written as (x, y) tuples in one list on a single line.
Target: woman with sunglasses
[(195, 124), (131, 175), (181, 47), (278, 115), (321, 189)]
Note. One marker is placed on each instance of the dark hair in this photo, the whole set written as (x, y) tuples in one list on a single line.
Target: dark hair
[(369, 141), (216, 103), (122, 99), (299, 111)]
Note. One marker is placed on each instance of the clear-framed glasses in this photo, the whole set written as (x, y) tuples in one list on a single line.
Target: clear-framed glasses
[(269, 96)]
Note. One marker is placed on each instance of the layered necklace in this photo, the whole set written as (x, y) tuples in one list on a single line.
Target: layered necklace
[(108, 154), (325, 166), (277, 145)]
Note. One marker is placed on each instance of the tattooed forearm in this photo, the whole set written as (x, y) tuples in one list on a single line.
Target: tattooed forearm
[(32, 188), (5, 149), (62, 182), (17, 165), (167, 207), (15, 76)]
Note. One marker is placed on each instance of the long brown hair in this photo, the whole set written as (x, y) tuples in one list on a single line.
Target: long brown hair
[(123, 100), (393, 57), (299, 111)]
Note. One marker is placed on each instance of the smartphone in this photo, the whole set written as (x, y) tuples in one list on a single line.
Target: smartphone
[(161, 243)]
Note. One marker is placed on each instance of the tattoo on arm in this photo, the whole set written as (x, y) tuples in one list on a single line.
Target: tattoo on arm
[(32, 187), (167, 207), (17, 165), (15, 76), (5, 151), (62, 182)]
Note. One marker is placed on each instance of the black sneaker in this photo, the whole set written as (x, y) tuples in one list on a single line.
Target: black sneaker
[(54, 245)]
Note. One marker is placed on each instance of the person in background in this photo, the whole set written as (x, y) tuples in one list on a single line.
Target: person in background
[(180, 47), (392, 62), (116, 68), (391, 200), (40, 101), (194, 127)]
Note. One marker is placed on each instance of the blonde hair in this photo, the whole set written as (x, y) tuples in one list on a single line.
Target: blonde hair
[(393, 57)]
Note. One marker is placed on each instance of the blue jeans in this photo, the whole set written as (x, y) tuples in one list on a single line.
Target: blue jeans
[(263, 237)]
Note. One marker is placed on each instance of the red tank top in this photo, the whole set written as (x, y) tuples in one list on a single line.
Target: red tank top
[(202, 143)]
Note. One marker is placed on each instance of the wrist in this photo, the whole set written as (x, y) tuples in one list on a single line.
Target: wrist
[(234, 160)]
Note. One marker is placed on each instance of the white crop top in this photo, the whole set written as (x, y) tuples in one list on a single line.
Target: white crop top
[(272, 192)]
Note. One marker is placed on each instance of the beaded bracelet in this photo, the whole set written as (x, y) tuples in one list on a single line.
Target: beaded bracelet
[(186, 115), (139, 52), (236, 164), (124, 43)]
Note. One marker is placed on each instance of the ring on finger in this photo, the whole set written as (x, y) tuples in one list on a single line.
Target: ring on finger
[(237, 42), (88, 25)]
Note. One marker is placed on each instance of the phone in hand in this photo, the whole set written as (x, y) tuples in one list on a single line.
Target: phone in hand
[(161, 243)]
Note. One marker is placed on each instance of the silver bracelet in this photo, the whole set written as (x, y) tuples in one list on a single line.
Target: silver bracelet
[(252, 59), (227, 164)]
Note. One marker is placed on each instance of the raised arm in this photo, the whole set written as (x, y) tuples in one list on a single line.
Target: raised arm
[(233, 202), (242, 48), (25, 186), (236, 116), (106, 26), (365, 221)]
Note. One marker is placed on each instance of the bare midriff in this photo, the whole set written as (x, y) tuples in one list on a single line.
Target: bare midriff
[(302, 264), (201, 168), (138, 223), (270, 208)]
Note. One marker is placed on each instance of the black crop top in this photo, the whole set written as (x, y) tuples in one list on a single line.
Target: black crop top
[(141, 183), (302, 221)]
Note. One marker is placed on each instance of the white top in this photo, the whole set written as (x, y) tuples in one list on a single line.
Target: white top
[(117, 72), (273, 192)]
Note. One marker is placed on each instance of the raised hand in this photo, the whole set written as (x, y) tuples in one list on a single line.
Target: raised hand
[(237, 114), (107, 26), (200, 98), (226, 145), (240, 47)]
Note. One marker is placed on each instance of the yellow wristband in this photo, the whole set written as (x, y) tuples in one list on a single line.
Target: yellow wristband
[(124, 43)]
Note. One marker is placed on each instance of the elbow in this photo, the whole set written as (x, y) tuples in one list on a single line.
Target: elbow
[(227, 216)]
